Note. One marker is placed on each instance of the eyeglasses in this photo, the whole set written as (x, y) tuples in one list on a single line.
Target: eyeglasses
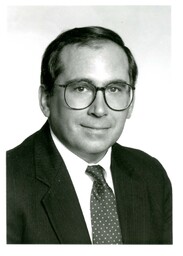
[(81, 94)]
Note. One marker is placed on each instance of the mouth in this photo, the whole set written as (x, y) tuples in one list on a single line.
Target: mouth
[(96, 129)]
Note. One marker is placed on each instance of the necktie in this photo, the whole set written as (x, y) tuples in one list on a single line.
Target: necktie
[(104, 218)]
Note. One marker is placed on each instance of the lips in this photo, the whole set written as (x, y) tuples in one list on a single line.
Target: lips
[(96, 127)]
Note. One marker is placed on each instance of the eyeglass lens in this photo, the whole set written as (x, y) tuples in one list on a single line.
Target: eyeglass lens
[(80, 95)]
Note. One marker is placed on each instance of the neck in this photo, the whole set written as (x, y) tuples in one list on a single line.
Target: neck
[(90, 158)]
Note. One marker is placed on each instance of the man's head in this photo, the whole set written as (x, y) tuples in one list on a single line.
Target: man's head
[(95, 57)]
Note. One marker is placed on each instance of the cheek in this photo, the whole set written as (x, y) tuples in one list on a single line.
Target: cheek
[(66, 120), (62, 117), (58, 108), (118, 126), (120, 119)]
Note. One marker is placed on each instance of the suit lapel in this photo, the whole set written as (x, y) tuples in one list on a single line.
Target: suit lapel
[(60, 202), (130, 196)]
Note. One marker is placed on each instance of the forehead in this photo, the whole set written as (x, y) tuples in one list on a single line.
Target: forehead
[(91, 47), (97, 59)]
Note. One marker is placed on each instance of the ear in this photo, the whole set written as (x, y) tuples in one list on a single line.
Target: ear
[(44, 98), (131, 108)]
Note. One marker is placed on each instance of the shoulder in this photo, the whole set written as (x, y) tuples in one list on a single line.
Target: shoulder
[(26, 147), (134, 156), (141, 168), (20, 161), (21, 158), (140, 164), (22, 151)]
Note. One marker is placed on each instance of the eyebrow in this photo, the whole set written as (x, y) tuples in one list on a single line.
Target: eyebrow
[(77, 80)]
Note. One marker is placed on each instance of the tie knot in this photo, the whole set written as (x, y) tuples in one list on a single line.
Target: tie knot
[(96, 172)]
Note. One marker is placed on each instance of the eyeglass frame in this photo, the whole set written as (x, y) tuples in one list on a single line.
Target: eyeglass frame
[(96, 90)]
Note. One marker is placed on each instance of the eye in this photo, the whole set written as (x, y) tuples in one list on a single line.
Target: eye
[(80, 89), (117, 88), (114, 88)]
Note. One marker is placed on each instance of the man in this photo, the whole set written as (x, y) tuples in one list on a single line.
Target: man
[(87, 92)]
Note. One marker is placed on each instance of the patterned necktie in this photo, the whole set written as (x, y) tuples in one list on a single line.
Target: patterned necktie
[(104, 218)]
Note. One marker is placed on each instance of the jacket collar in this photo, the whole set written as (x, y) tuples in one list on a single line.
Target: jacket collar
[(60, 202)]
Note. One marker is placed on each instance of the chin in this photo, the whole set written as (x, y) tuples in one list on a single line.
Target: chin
[(96, 148)]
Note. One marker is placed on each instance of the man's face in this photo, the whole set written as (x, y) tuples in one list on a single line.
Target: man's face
[(89, 132)]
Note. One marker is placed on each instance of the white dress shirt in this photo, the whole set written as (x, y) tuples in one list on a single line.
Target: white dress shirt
[(81, 181)]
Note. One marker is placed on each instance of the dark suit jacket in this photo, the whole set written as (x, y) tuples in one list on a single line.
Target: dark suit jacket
[(43, 208)]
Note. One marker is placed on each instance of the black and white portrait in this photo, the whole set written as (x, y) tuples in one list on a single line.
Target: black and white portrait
[(90, 152)]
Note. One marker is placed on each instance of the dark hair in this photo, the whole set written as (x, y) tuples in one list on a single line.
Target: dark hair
[(51, 67)]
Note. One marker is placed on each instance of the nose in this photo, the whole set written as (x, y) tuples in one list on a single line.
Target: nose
[(98, 108)]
